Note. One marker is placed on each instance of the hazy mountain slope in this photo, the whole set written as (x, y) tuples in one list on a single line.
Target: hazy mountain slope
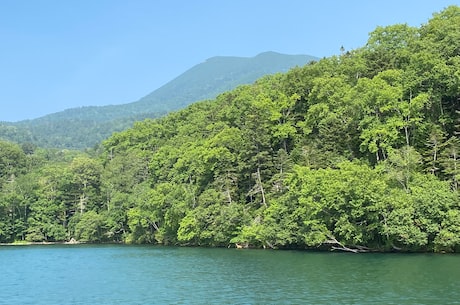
[(217, 75), (83, 127)]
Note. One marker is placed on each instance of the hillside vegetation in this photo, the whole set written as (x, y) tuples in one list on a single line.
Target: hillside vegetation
[(84, 127), (357, 152)]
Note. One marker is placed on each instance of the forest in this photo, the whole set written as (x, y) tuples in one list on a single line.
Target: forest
[(84, 127), (356, 152)]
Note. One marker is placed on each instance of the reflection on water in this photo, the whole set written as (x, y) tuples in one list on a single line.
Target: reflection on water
[(83, 274)]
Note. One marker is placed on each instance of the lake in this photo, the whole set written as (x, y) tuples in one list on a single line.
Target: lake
[(118, 274)]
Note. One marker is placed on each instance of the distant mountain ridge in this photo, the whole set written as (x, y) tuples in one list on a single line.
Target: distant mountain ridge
[(84, 127), (219, 74)]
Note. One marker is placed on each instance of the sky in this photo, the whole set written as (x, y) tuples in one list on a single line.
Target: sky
[(56, 54)]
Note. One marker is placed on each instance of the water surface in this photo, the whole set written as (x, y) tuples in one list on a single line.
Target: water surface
[(112, 274)]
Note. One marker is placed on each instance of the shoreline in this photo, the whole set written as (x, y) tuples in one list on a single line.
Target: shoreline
[(74, 242), (38, 243)]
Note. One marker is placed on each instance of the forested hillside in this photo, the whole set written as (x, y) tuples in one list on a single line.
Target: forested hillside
[(84, 127), (358, 152)]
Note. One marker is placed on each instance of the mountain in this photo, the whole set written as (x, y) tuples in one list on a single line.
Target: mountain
[(83, 127), (358, 152)]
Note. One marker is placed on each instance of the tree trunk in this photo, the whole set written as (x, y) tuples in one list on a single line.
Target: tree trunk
[(259, 181), (336, 245)]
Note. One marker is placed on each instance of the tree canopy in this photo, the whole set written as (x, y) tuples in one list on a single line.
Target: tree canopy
[(357, 152)]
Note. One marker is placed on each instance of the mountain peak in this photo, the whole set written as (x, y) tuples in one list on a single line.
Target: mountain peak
[(85, 126)]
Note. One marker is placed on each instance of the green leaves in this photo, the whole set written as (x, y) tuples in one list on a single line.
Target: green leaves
[(356, 152), (335, 202), (12, 161), (415, 220), (389, 47)]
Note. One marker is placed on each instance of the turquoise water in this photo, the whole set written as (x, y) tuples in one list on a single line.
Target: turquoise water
[(111, 274)]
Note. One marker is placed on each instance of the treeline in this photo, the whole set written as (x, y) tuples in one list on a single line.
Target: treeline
[(84, 127), (66, 130), (358, 152)]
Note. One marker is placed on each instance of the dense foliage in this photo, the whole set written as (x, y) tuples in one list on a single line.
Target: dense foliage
[(85, 127), (357, 152)]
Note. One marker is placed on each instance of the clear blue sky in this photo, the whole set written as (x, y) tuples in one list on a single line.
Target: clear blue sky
[(59, 54)]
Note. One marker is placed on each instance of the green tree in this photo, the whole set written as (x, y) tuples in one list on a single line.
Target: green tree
[(86, 176), (388, 48), (12, 161), (88, 227), (402, 165), (450, 160)]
